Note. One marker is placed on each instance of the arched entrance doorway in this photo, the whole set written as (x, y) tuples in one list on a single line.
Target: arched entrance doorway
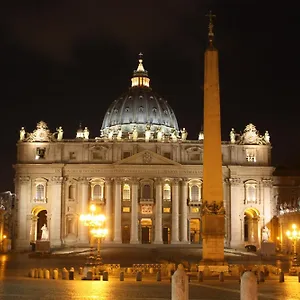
[(251, 227), (195, 231), (146, 230), (39, 218)]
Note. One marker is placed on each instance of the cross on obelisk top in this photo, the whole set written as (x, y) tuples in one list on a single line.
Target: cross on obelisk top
[(210, 26)]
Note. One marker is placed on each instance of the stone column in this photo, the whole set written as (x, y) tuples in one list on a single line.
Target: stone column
[(184, 211), (134, 213), (23, 238), (117, 208), (83, 209), (175, 211), (55, 211), (237, 238), (267, 188), (158, 212), (108, 209)]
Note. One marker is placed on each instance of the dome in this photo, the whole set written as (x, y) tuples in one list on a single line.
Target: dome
[(139, 109)]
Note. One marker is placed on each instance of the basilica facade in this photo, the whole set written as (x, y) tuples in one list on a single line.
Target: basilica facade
[(144, 174)]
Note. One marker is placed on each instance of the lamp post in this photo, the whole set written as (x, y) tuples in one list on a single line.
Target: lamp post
[(294, 235), (99, 233), (96, 223)]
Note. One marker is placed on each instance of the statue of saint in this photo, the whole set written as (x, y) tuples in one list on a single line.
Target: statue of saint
[(119, 136), (183, 134), (134, 134), (174, 136), (60, 133), (267, 137), (22, 134), (265, 234), (110, 134), (86, 133), (201, 136), (147, 133), (45, 232), (232, 136)]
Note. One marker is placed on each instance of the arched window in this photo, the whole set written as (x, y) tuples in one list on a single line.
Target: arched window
[(167, 192), (195, 195), (126, 191), (72, 192), (251, 192), (40, 192), (146, 191), (97, 192)]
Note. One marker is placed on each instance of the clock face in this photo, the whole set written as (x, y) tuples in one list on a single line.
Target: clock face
[(251, 137)]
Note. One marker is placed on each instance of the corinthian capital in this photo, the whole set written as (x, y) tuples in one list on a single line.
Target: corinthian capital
[(235, 181), (24, 179), (268, 182), (57, 179)]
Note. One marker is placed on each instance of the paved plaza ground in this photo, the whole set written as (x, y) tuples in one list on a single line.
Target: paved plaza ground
[(15, 283)]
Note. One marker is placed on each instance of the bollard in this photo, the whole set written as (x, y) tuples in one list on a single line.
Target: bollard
[(139, 276), (47, 274), (261, 276), (248, 286), (64, 274), (200, 276), (121, 276), (151, 270), (158, 276), (71, 274), (105, 276), (55, 274), (180, 285), (221, 276), (31, 273), (36, 273), (281, 277)]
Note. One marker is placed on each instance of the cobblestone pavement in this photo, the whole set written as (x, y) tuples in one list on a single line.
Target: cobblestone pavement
[(15, 283), (27, 288)]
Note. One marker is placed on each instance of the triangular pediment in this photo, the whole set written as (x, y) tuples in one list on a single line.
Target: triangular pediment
[(147, 157)]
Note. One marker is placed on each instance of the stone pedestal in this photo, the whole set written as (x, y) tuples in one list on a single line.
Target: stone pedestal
[(213, 238), (42, 246), (268, 248)]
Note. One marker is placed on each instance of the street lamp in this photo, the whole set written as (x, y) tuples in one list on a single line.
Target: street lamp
[(96, 223), (294, 235), (99, 233)]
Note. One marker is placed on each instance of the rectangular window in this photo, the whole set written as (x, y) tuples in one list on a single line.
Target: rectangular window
[(167, 155), (72, 155), (40, 153), (194, 209), (251, 155), (126, 154), (126, 209), (166, 210)]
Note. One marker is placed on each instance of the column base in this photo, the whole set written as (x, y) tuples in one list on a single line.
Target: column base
[(158, 242)]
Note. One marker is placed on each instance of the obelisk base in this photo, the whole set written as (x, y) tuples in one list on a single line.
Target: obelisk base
[(213, 238)]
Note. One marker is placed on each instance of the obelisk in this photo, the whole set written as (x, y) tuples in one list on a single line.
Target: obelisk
[(212, 209)]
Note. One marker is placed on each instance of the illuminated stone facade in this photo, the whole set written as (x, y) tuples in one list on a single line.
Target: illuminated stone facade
[(143, 173)]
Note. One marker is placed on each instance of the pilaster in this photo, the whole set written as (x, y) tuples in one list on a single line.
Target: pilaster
[(175, 211), (117, 211), (158, 212), (184, 210), (134, 213)]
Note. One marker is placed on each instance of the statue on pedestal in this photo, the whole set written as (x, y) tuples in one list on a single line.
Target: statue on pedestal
[(22, 134), (134, 134), (45, 233), (119, 136), (183, 134), (265, 234), (232, 136), (267, 137), (60, 133), (86, 133), (147, 133)]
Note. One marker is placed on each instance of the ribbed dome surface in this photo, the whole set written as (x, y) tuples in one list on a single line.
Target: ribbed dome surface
[(139, 108)]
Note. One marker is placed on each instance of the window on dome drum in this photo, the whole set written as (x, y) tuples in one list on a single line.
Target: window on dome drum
[(167, 192), (251, 192), (251, 155), (40, 192), (126, 192), (40, 153)]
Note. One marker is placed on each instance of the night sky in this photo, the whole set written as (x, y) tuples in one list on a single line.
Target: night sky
[(64, 62)]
